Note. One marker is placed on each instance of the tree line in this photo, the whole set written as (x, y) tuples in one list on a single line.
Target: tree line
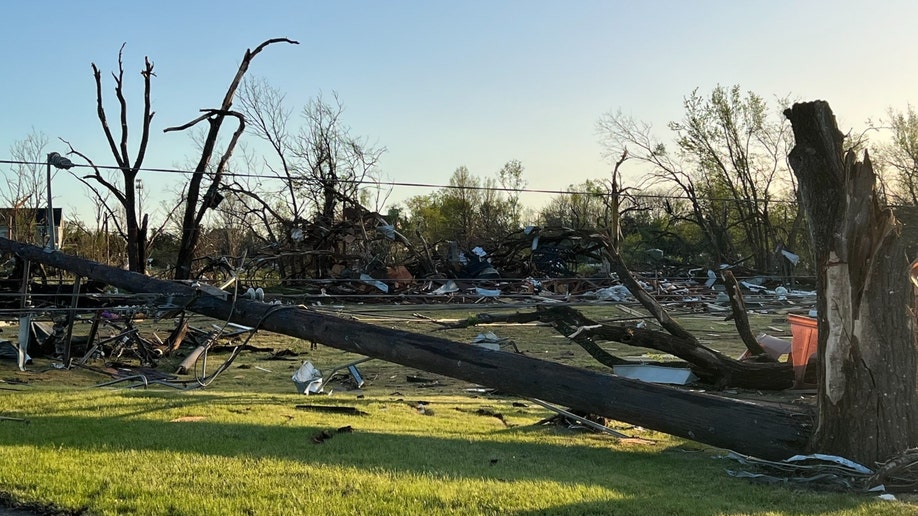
[(714, 188)]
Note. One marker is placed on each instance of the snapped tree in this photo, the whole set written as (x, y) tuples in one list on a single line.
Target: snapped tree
[(196, 203), (868, 382)]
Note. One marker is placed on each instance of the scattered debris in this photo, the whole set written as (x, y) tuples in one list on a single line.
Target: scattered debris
[(322, 436), (419, 379), (308, 379), (333, 409), (492, 413), (831, 472), (656, 374), (572, 419), (283, 354), (188, 419), (491, 341), (325, 435), (423, 408), (783, 433)]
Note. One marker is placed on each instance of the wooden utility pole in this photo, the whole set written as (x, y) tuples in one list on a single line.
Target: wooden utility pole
[(868, 382), (765, 430)]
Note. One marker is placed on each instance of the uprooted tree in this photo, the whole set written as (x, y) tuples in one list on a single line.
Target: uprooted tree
[(868, 383)]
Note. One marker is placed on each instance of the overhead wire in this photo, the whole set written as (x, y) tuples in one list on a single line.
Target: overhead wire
[(381, 183)]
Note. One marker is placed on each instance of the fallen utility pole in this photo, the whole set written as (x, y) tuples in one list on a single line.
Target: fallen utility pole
[(769, 431)]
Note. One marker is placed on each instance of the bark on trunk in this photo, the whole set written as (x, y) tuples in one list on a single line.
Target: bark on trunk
[(740, 317), (868, 382), (763, 430)]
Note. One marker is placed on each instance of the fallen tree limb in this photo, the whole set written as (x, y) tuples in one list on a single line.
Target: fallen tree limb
[(740, 317), (708, 364), (646, 300), (769, 431)]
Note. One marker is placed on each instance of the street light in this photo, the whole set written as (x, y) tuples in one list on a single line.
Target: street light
[(139, 186), (59, 162)]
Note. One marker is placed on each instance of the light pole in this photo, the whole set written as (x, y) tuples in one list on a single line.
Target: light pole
[(63, 163), (139, 186)]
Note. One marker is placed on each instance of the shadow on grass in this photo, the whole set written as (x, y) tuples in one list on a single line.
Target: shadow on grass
[(645, 482)]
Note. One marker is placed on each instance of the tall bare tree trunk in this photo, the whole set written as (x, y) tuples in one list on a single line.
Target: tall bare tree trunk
[(868, 383), (196, 205)]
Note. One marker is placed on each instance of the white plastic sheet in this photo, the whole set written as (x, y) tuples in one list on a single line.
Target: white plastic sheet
[(308, 379)]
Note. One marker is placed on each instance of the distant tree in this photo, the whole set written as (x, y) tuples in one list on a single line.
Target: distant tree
[(511, 180), (730, 166), (422, 213), (24, 189), (582, 207), (314, 171), (461, 203), (898, 157), (471, 211), (233, 233), (622, 133)]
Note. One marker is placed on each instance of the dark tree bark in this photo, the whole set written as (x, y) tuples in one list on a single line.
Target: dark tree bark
[(868, 382), (134, 228), (764, 430), (196, 206), (740, 317)]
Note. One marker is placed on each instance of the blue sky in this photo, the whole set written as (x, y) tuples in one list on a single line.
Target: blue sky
[(445, 84)]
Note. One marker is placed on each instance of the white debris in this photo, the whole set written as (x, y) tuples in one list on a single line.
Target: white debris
[(308, 379)]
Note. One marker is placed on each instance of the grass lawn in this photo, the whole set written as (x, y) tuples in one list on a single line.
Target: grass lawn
[(242, 446)]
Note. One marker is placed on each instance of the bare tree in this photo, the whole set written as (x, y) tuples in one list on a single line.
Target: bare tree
[(313, 173), (731, 140), (25, 183), (899, 156), (334, 163), (730, 166), (196, 204), (622, 133), (130, 223)]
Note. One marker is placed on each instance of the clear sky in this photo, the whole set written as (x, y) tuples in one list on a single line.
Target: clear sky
[(444, 84)]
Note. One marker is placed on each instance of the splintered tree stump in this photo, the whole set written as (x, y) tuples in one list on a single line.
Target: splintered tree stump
[(868, 351)]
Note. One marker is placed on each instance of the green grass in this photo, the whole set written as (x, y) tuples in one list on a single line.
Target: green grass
[(242, 447), (144, 452)]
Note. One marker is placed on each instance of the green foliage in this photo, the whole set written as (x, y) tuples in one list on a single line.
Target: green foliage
[(472, 210), (899, 156), (582, 207), (730, 169)]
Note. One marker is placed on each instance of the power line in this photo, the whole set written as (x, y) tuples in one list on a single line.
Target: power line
[(380, 183)]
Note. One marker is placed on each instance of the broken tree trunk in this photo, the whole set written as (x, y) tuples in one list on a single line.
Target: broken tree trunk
[(763, 430), (868, 382)]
